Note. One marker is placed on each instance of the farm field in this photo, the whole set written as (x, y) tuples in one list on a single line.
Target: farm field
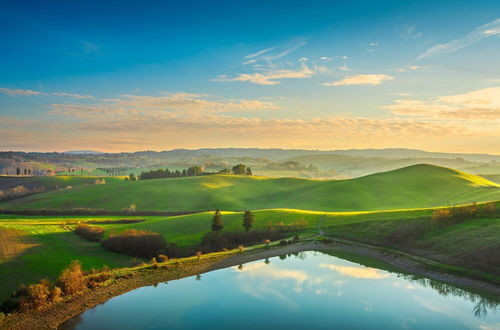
[(417, 186), (45, 245)]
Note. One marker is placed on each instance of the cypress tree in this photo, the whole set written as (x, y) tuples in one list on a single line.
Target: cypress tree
[(217, 223), (248, 219)]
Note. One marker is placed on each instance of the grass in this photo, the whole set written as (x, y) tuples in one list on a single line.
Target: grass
[(54, 245), (366, 209), (417, 186)]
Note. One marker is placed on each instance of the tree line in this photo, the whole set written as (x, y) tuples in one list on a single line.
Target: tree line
[(239, 169), (166, 173)]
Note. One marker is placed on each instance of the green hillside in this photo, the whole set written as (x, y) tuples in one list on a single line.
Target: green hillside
[(410, 187), (53, 182)]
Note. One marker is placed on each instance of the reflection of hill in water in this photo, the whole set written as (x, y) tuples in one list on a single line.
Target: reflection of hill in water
[(484, 303)]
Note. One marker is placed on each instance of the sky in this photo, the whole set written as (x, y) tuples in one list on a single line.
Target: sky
[(158, 75)]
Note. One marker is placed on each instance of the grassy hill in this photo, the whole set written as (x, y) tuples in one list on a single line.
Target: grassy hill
[(406, 188), (52, 182)]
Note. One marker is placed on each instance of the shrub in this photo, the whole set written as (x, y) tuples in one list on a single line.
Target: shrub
[(136, 243), (162, 258), (214, 241), (93, 234), (72, 279), (454, 215), (36, 296), (55, 294)]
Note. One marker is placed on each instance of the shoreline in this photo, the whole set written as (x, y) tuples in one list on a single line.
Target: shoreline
[(126, 280)]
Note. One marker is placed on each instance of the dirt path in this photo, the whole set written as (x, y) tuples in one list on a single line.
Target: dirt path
[(55, 315)]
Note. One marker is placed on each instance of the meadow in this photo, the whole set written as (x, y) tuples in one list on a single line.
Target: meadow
[(392, 209), (417, 186)]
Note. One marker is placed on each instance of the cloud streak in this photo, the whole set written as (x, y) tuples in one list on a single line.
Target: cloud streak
[(270, 77), (29, 92), (19, 92), (485, 31), (362, 79), (482, 104)]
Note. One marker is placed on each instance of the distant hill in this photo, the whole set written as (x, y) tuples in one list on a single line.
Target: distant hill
[(82, 152), (410, 187), (266, 162)]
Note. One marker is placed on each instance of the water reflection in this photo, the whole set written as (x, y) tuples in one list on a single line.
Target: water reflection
[(302, 291)]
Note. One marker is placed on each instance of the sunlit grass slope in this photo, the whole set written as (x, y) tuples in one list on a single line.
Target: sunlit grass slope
[(41, 246), (410, 187)]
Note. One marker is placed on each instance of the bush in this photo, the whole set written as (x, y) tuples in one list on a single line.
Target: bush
[(55, 294), (93, 234), (162, 258), (72, 279), (96, 279), (36, 297), (454, 215), (213, 241), (136, 243)]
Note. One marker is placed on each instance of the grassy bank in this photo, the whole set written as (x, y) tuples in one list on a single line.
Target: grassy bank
[(123, 280)]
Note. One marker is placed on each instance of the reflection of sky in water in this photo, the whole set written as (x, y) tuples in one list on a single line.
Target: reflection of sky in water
[(319, 291)]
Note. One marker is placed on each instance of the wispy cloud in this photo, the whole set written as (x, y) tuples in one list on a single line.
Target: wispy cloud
[(271, 77), (261, 52), (410, 31), (19, 92), (29, 92), (482, 104), (72, 95), (283, 53), (362, 79), (89, 47), (409, 68), (268, 72), (138, 107), (484, 31)]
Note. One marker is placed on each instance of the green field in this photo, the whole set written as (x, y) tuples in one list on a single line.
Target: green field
[(50, 243), (368, 209), (411, 187)]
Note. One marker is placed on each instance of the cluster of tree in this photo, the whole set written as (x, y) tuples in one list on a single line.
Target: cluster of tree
[(166, 173), (239, 169), (453, 215), (90, 233), (25, 171), (19, 191), (218, 223), (291, 165), (136, 243)]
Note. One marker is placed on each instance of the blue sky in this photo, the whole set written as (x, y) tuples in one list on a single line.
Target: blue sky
[(124, 76)]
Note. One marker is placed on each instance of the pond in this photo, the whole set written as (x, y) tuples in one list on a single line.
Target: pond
[(308, 290)]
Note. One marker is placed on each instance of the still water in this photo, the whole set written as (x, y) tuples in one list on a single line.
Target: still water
[(309, 290)]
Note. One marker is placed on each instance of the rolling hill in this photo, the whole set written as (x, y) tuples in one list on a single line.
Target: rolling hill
[(410, 187)]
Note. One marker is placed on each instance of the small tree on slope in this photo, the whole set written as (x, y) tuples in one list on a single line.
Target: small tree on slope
[(217, 223), (248, 219)]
